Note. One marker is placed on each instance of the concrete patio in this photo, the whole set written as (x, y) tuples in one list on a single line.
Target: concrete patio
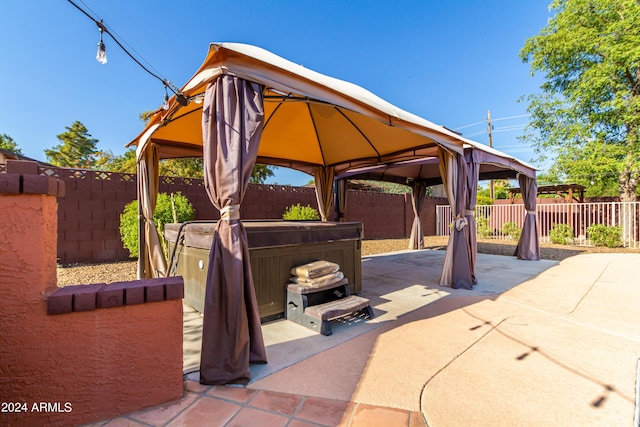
[(535, 343)]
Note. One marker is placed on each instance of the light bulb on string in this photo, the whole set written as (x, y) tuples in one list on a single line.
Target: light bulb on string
[(101, 55), (165, 104)]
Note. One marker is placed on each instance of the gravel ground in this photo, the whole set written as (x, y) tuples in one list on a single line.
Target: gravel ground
[(126, 270)]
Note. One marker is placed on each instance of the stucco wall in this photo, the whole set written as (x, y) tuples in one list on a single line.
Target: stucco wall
[(78, 367)]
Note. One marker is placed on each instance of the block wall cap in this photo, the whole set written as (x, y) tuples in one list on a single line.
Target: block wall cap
[(99, 296), (31, 184)]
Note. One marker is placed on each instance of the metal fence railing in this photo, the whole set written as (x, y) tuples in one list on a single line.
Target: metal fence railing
[(502, 222)]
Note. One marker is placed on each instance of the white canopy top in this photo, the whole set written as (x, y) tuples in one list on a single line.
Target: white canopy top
[(310, 119)]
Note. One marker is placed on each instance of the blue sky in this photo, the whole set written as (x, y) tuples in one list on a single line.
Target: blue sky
[(447, 61)]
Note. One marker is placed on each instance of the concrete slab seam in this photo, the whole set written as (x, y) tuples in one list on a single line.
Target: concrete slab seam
[(606, 267), (424, 386)]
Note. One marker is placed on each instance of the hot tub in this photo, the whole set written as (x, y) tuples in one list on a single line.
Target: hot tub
[(274, 248)]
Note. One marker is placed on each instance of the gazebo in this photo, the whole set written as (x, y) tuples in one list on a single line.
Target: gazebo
[(482, 163), (246, 105)]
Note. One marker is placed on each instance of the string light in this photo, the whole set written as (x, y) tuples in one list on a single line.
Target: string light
[(101, 56), (165, 104)]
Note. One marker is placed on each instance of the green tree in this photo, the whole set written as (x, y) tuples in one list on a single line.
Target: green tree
[(76, 149), (260, 173), (125, 163), (7, 143), (193, 167), (500, 190), (187, 168), (588, 111)]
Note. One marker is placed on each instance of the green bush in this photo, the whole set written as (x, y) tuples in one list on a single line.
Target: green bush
[(512, 230), (169, 208), (602, 235), (482, 227), (561, 234), (484, 200), (300, 213)]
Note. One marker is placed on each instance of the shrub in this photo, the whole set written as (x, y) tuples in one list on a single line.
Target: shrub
[(482, 227), (300, 213), (483, 200), (561, 234), (602, 235), (512, 230), (173, 208)]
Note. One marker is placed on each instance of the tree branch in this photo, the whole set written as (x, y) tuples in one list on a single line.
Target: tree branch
[(632, 81)]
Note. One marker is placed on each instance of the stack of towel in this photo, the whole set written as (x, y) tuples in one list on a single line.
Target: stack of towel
[(316, 274)]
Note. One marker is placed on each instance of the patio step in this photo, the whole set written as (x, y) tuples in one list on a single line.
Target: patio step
[(314, 308)]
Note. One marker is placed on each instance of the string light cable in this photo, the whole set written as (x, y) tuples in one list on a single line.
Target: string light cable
[(101, 56)]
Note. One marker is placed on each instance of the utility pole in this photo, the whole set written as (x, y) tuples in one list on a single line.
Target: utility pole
[(489, 128)]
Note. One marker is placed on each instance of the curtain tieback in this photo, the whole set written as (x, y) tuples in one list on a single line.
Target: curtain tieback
[(460, 223), (469, 212), (531, 212), (230, 212)]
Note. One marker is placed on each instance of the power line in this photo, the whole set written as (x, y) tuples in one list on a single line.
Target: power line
[(475, 134), (498, 129), (511, 117), (509, 129), (485, 120), (472, 124), (508, 147)]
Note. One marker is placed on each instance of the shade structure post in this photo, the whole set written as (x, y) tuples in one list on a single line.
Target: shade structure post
[(232, 122), (528, 247), (418, 195)]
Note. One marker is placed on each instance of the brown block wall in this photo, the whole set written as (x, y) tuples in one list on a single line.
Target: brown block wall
[(89, 214), (270, 201)]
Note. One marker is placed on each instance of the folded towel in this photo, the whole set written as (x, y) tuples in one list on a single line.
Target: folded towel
[(326, 280), (315, 269)]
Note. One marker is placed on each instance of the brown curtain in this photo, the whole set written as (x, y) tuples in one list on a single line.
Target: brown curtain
[(449, 178), (323, 179), (418, 195), (456, 270), (529, 245), (232, 120), (150, 255), (341, 199), (473, 175)]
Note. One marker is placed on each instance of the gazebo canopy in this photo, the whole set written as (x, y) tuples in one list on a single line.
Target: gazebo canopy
[(493, 164), (310, 119)]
